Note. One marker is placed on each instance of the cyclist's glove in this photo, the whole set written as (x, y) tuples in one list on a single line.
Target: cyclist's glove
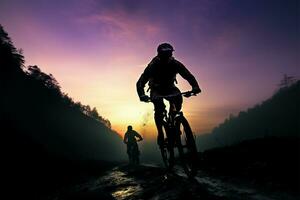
[(196, 90), (144, 98)]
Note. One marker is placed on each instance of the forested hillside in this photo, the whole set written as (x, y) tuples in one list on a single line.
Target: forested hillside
[(277, 116), (47, 138)]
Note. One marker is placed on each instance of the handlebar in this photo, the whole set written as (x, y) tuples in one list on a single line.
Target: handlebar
[(185, 94), (138, 140)]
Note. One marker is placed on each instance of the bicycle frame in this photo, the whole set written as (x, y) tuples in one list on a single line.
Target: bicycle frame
[(172, 121), (172, 107)]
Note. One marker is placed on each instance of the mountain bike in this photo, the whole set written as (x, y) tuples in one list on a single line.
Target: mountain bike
[(178, 134)]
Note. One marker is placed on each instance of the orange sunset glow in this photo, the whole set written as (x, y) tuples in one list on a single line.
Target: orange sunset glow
[(98, 51)]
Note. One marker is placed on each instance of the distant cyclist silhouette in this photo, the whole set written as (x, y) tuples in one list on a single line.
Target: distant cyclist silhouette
[(132, 146), (161, 74)]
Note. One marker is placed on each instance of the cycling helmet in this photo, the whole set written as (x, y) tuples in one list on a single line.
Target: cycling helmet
[(164, 47)]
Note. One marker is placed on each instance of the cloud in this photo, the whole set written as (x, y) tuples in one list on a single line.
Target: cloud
[(149, 19), (126, 25), (118, 23)]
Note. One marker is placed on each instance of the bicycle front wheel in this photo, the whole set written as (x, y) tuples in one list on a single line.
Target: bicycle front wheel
[(167, 148), (186, 145)]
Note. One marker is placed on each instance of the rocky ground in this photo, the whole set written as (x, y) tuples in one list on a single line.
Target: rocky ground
[(151, 182)]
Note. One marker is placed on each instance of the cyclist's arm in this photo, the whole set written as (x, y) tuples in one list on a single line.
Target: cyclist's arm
[(186, 74), (138, 136), (125, 138), (144, 78)]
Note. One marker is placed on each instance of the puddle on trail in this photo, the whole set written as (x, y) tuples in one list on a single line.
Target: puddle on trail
[(119, 184)]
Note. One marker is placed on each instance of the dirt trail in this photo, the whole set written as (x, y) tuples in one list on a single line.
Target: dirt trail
[(151, 182)]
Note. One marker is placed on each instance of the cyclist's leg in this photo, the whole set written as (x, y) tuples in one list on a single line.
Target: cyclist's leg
[(128, 149), (175, 101), (159, 108), (175, 105), (129, 153), (137, 154)]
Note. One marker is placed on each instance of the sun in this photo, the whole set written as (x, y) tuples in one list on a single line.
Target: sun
[(139, 115)]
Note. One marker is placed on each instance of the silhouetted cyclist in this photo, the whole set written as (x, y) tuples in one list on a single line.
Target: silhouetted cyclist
[(132, 146), (161, 74)]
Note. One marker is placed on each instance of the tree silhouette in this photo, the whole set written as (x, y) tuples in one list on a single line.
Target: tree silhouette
[(47, 137), (47, 80), (10, 56)]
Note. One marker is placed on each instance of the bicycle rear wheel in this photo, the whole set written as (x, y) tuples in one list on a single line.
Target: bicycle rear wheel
[(186, 145)]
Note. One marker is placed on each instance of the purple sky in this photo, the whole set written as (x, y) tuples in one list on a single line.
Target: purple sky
[(238, 50)]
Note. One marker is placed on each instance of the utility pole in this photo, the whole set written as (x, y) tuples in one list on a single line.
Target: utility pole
[(286, 81)]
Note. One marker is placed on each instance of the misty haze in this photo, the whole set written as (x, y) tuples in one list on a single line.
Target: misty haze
[(154, 99)]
